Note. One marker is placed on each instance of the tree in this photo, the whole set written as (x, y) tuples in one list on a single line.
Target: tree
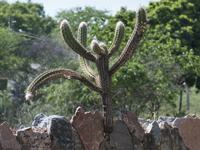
[(26, 17), (149, 81), (180, 19), (10, 64), (9, 60), (90, 15)]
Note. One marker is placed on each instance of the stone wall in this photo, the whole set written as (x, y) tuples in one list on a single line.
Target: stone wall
[(85, 132)]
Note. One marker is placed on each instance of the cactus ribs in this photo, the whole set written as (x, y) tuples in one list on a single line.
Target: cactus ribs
[(99, 54)]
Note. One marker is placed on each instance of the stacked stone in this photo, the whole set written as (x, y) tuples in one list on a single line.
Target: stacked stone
[(85, 132)]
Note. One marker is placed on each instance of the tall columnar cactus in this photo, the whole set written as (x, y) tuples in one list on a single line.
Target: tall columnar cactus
[(100, 55)]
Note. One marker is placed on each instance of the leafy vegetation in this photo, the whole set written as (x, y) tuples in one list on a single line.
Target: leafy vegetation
[(26, 17), (151, 82)]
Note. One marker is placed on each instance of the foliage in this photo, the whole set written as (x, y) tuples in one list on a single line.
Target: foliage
[(10, 60), (64, 96), (151, 82), (153, 79), (26, 17), (90, 15), (159, 63), (6, 105), (99, 54), (194, 108), (43, 49), (179, 19), (19, 55)]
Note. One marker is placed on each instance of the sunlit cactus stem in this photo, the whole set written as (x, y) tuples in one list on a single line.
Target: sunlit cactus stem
[(99, 54)]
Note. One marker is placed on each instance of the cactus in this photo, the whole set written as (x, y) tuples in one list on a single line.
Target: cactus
[(99, 54)]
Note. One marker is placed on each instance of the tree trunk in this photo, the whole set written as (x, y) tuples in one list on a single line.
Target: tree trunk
[(180, 103), (188, 96)]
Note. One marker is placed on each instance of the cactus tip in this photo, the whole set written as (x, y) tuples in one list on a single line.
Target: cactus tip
[(120, 23), (94, 42), (83, 24), (29, 96), (140, 8), (64, 23), (142, 13), (102, 44)]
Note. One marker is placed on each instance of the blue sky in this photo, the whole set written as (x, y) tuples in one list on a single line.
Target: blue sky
[(53, 6)]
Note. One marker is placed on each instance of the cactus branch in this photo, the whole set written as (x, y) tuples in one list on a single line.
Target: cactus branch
[(104, 47), (82, 38), (118, 37), (73, 43), (101, 58), (95, 47), (86, 69), (57, 73), (134, 40), (82, 34)]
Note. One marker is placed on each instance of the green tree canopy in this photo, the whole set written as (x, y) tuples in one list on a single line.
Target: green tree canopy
[(150, 80), (180, 18), (96, 19), (157, 67), (9, 58), (90, 15), (28, 17)]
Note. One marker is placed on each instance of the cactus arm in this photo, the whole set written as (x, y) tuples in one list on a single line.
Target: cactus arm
[(82, 38), (118, 37), (47, 76), (104, 47), (70, 40), (133, 41), (101, 58), (82, 34), (86, 69), (95, 47)]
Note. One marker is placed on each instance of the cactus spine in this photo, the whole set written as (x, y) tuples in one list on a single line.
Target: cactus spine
[(100, 55)]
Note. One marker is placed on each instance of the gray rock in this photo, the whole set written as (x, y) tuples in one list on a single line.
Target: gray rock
[(132, 123), (21, 127), (167, 119), (7, 139), (171, 140), (149, 142), (1, 147), (120, 137), (76, 140), (137, 144), (32, 139), (60, 131), (177, 140), (142, 121), (105, 145), (154, 129), (40, 121), (90, 128)]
